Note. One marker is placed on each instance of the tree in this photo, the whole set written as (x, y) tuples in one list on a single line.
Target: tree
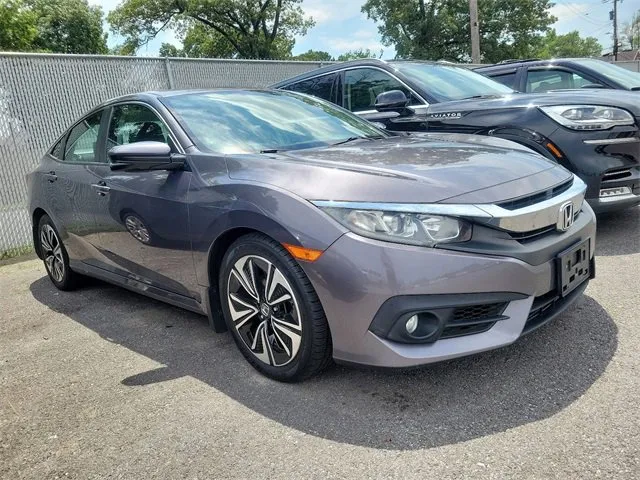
[(64, 26), (314, 56), (631, 33), (69, 26), (356, 54), (568, 45), (17, 26), (229, 28), (440, 30)]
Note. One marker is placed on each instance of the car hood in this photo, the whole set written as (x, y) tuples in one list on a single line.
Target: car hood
[(421, 168), (612, 98)]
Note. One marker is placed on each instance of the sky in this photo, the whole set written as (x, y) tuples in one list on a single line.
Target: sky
[(341, 26)]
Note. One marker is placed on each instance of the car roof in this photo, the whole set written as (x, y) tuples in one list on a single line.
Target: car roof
[(509, 64), (367, 62)]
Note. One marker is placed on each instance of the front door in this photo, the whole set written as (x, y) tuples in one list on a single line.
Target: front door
[(143, 215)]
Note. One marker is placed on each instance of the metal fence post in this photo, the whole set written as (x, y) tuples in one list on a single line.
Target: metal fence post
[(167, 64)]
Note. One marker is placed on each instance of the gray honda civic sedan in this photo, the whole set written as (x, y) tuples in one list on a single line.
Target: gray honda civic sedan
[(309, 233)]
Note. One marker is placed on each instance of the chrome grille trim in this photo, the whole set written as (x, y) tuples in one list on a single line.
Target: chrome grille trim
[(526, 219)]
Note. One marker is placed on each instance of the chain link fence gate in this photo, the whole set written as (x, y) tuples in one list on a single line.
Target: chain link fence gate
[(42, 94)]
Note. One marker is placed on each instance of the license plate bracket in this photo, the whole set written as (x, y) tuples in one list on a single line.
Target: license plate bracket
[(573, 267)]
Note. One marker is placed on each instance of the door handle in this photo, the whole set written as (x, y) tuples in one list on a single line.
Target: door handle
[(101, 187), (51, 176)]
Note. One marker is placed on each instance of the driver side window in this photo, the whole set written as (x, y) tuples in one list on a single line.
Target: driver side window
[(132, 123), (363, 85)]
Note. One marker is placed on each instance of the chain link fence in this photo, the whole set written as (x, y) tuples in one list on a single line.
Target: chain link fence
[(41, 95)]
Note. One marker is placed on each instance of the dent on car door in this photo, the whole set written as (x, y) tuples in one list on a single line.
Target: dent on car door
[(70, 178), (143, 215)]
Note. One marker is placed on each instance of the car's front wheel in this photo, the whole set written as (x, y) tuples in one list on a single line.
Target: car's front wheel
[(272, 310), (54, 255)]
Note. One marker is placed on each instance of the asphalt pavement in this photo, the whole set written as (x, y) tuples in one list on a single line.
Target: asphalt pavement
[(105, 383)]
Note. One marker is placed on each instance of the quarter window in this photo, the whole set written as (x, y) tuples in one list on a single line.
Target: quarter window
[(82, 140), (321, 87), (363, 85), (132, 123)]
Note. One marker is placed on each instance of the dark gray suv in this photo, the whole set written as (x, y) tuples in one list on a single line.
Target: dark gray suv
[(309, 233)]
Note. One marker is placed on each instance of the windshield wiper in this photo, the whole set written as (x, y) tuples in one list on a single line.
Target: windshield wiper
[(353, 139), (272, 150), (482, 96)]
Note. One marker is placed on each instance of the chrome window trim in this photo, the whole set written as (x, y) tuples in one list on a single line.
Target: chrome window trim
[(526, 219)]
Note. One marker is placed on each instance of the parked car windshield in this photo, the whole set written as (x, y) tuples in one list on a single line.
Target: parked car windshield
[(624, 77), (233, 122), (446, 83)]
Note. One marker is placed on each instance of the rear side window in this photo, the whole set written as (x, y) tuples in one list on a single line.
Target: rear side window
[(133, 123), (539, 81), (507, 79), (321, 87), (83, 139)]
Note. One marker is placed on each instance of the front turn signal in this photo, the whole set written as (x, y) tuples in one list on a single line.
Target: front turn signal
[(301, 253)]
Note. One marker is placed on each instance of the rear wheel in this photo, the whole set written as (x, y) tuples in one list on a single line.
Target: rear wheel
[(273, 311), (54, 255)]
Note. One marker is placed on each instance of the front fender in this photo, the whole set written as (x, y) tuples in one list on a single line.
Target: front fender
[(277, 213)]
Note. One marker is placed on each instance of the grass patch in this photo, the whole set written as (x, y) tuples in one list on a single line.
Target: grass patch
[(15, 252)]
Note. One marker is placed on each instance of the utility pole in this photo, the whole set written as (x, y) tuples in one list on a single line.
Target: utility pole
[(475, 31), (614, 17)]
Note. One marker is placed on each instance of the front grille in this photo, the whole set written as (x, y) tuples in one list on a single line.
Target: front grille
[(473, 319), (537, 198), (617, 174)]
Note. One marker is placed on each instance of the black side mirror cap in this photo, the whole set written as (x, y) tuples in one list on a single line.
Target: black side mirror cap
[(145, 156), (392, 101)]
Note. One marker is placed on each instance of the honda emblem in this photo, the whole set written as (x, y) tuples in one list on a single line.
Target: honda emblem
[(565, 218)]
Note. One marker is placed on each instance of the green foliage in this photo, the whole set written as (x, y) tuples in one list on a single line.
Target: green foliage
[(356, 54), (314, 56), (440, 30), (63, 26), (17, 26), (568, 45), (631, 33), (215, 28)]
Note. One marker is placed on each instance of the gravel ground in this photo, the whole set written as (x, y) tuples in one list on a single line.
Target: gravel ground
[(106, 383)]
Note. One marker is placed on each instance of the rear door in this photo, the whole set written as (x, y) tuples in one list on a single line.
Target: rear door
[(142, 216), (70, 185)]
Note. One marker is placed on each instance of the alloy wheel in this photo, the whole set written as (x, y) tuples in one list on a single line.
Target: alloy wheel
[(137, 229), (52, 252), (264, 310)]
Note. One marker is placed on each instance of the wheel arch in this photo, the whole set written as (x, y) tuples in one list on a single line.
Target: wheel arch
[(38, 213)]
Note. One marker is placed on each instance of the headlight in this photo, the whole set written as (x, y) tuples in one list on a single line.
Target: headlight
[(408, 228), (588, 117)]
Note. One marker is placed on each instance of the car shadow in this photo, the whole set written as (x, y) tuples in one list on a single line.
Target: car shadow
[(618, 233), (437, 405)]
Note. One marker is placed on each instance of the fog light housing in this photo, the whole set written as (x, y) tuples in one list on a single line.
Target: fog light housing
[(412, 324), (614, 192)]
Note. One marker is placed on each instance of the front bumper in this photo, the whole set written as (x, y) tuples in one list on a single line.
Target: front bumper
[(356, 276), (605, 161)]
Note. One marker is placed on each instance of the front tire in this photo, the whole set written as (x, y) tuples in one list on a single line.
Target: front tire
[(272, 310), (54, 255)]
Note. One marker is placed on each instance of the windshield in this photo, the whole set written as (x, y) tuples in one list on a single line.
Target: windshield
[(237, 121), (624, 77), (446, 83)]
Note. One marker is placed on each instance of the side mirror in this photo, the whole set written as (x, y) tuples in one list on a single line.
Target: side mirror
[(145, 156), (392, 101)]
